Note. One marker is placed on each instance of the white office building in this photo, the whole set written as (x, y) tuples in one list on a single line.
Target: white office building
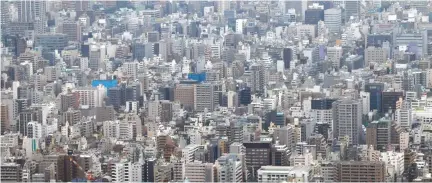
[(285, 173), (332, 19)]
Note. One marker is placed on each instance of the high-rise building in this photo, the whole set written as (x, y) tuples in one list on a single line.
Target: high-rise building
[(378, 134), (91, 97), (314, 14), (347, 120), (185, 94), (334, 55), (389, 100), (375, 55), (230, 169), (5, 14), (355, 171), (69, 100), (403, 115), (25, 117), (204, 97), (352, 9), (33, 11), (199, 172), (11, 172), (51, 41), (258, 154), (365, 97), (34, 130), (320, 143), (414, 42), (141, 49), (245, 96), (94, 57), (287, 56), (257, 78), (321, 104), (118, 172), (72, 116), (285, 135), (66, 169), (280, 155), (285, 174), (333, 19), (188, 152), (4, 118), (235, 132), (72, 29), (375, 90)]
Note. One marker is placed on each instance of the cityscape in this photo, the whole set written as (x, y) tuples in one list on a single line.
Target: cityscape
[(216, 91)]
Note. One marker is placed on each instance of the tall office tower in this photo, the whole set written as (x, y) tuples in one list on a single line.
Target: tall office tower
[(285, 173), (403, 115), (204, 97), (280, 155), (118, 172), (287, 56), (141, 50), (52, 73), (94, 57), (69, 100), (11, 172), (375, 55), (378, 134), (91, 97), (235, 132), (355, 171), (115, 97), (166, 111), (153, 109), (321, 110), (334, 55), (258, 154), (33, 11), (66, 169), (257, 78), (365, 97), (389, 100), (245, 96), (51, 42), (72, 29), (333, 19), (185, 94), (4, 118), (229, 169), (347, 120), (285, 135), (199, 172), (5, 14), (320, 143), (375, 90), (188, 152), (352, 9), (131, 69), (222, 6), (314, 14), (300, 8), (34, 130), (71, 116), (25, 117)]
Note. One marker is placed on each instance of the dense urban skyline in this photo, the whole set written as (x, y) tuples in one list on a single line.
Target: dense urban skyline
[(216, 91)]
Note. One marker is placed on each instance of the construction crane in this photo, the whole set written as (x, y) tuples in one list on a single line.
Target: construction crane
[(88, 175)]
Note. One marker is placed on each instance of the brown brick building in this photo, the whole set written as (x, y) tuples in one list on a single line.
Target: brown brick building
[(360, 171)]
